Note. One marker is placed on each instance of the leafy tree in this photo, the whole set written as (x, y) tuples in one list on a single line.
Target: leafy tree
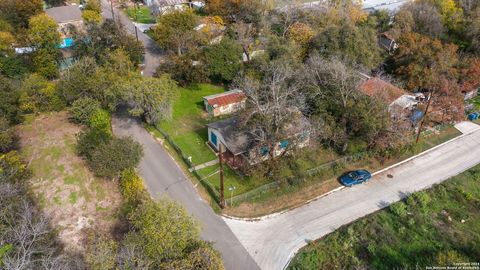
[(100, 120), (45, 38), (82, 110), (452, 15), (249, 11), (420, 60), (183, 69), (473, 31), (301, 34), (43, 33), (357, 44), (6, 41), (94, 5), (176, 30), (420, 17), (380, 20), (90, 139), (163, 229), (222, 60), (8, 139), (9, 95), (18, 12), (203, 257), (39, 95), (131, 185), (118, 154), (90, 16), (101, 252), (100, 39), (152, 98), (340, 112)]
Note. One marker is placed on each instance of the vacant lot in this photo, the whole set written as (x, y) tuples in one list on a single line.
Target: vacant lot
[(62, 184), (438, 227)]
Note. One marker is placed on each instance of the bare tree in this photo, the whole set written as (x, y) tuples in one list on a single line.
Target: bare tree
[(274, 105)]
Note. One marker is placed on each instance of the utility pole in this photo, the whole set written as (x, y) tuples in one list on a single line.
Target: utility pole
[(220, 159), (111, 8), (424, 116)]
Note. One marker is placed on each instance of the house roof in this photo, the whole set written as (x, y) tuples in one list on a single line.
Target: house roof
[(227, 98), (65, 14), (376, 87), (236, 141), (170, 2)]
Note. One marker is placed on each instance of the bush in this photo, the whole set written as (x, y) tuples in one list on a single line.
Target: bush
[(100, 119), (88, 141), (8, 139), (82, 110), (131, 185), (399, 209), (118, 154)]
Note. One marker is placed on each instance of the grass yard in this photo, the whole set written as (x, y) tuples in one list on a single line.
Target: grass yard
[(241, 184), (141, 15), (62, 184), (187, 128), (437, 227)]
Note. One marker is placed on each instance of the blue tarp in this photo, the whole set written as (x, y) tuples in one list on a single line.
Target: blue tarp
[(66, 43), (416, 116)]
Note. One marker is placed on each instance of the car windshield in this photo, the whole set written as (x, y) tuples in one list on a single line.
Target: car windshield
[(353, 175)]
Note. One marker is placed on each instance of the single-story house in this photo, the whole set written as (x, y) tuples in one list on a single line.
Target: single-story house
[(400, 103), (387, 42), (239, 147), (225, 103), (66, 17)]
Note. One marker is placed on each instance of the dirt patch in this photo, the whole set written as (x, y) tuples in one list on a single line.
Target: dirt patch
[(63, 186)]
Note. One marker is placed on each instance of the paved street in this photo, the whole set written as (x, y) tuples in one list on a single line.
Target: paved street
[(273, 241), (164, 178), (162, 175)]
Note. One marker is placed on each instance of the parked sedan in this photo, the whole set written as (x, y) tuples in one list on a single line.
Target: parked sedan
[(355, 177)]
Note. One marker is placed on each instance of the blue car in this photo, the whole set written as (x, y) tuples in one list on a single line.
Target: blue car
[(355, 177)]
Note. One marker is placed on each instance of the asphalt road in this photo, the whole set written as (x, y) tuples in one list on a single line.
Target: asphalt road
[(273, 241), (162, 175)]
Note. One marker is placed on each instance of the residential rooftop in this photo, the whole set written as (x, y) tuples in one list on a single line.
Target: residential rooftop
[(376, 87), (65, 14), (226, 98)]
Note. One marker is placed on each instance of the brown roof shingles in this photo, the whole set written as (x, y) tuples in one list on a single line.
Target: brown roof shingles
[(376, 87)]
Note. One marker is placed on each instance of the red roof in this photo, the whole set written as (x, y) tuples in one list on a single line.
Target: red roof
[(376, 87), (227, 98)]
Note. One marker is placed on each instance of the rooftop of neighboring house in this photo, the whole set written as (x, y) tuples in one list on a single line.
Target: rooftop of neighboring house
[(226, 98), (376, 87), (65, 14), (169, 2)]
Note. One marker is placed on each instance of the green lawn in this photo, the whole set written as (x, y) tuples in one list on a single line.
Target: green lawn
[(142, 15), (187, 128), (241, 184), (437, 227)]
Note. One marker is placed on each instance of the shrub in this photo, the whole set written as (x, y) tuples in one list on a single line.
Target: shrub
[(100, 119), (422, 198), (8, 139), (87, 141), (131, 185), (118, 154), (399, 209), (82, 110), (101, 252)]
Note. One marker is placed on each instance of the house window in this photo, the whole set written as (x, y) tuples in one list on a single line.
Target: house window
[(283, 144), (264, 151)]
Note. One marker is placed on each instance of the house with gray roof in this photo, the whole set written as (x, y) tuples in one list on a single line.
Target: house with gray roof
[(239, 147), (66, 17)]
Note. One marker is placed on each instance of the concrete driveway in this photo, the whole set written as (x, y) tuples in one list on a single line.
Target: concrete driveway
[(273, 241)]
